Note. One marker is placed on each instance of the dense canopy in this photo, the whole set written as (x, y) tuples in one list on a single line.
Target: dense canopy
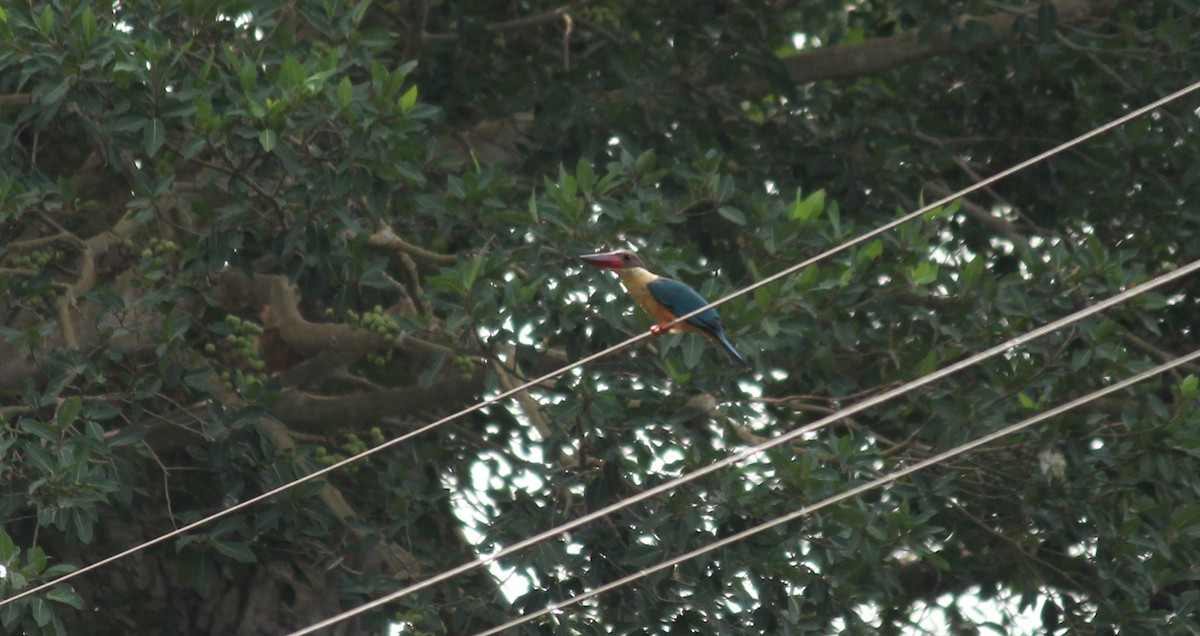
[(243, 240)]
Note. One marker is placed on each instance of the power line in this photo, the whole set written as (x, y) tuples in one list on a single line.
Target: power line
[(504, 395), (238, 507), (852, 492), (854, 409), (978, 185)]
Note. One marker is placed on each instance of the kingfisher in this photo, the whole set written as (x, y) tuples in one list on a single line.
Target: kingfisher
[(664, 299)]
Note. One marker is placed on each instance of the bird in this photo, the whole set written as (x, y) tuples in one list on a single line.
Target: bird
[(664, 299)]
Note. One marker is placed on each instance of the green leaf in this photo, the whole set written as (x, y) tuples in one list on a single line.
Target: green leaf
[(1080, 359), (1187, 517), (292, 73), (1187, 387), (37, 559), (267, 139), (770, 327), (199, 379), (448, 282), (928, 363), (68, 412), (645, 162), (248, 77), (391, 82), (936, 560), (64, 594), (360, 10), (733, 214), (693, 349), (38, 429), (11, 614), (679, 375), (835, 217), (239, 551), (175, 326), (408, 99), (208, 65), (46, 20), (41, 612), (808, 208), (586, 175), (153, 136), (148, 387), (1152, 300), (1026, 401), (39, 458), (82, 525), (8, 550), (89, 24), (94, 431), (872, 251), (129, 435), (723, 188), (973, 271), (471, 272), (764, 296), (345, 92), (185, 541), (924, 273), (568, 185)]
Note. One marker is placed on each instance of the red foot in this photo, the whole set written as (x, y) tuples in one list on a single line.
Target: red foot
[(659, 329)]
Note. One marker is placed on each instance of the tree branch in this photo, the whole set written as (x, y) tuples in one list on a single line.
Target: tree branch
[(233, 290), (311, 413), (386, 237), (15, 99), (507, 25), (877, 55)]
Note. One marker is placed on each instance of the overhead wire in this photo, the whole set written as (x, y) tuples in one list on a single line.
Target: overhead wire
[(949, 198), (850, 493), (863, 405), (504, 395)]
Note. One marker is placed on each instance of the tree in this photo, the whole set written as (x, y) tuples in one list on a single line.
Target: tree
[(242, 240)]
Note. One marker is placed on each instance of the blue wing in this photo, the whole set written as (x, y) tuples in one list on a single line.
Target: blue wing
[(680, 299)]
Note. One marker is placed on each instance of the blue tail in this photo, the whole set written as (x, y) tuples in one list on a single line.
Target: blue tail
[(733, 353)]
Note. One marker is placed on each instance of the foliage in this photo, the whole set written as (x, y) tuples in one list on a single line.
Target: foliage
[(243, 240)]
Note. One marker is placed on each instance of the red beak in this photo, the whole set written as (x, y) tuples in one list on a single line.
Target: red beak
[(606, 260)]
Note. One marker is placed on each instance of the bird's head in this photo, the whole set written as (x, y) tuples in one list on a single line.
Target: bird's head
[(616, 260)]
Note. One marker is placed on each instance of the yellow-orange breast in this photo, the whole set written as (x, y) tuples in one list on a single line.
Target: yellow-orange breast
[(637, 280)]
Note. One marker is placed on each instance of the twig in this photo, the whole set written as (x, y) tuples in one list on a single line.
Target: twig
[(43, 240), (15, 99), (507, 25), (386, 237), (1162, 356), (166, 484)]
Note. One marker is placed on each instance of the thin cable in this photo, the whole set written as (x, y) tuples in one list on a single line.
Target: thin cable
[(854, 409), (853, 492), (324, 471), (610, 350), (978, 185)]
